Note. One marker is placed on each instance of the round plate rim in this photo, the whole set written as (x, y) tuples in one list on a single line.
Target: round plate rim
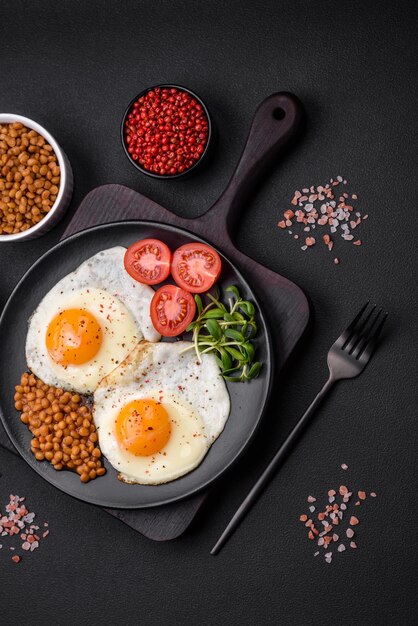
[(269, 350)]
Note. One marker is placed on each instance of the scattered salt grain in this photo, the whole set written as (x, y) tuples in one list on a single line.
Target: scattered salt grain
[(17, 522), (344, 466), (331, 516), (318, 207)]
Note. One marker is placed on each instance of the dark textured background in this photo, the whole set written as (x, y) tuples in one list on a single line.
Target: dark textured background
[(73, 67)]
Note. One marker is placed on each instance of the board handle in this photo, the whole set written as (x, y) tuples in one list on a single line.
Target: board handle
[(277, 122)]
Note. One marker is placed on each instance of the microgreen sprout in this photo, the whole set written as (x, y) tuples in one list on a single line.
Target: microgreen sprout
[(227, 330)]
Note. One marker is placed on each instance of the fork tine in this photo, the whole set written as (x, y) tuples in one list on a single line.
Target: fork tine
[(359, 331), (346, 335), (364, 337), (370, 342)]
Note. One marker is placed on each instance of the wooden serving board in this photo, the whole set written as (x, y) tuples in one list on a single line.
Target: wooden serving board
[(276, 124)]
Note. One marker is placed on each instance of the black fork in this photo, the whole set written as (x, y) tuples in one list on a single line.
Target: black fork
[(347, 358)]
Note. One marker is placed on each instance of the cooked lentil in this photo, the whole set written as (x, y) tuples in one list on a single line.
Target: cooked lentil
[(63, 429), (29, 178)]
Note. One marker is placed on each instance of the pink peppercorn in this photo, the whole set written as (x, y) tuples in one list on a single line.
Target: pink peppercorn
[(166, 131)]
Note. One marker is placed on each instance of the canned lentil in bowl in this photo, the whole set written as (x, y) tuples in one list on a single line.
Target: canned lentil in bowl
[(36, 180)]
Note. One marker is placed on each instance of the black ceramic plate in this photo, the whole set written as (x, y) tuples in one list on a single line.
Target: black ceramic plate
[(247, 399)]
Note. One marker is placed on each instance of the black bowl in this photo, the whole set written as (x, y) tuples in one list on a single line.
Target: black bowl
[(202, 156)]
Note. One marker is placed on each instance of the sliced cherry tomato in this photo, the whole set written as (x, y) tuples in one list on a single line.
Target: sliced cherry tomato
[(148, 261), (172, 310), (196, 267)]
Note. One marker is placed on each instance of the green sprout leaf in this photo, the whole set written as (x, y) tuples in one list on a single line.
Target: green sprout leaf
[(249, 350), (254, 370), (234, 334), (234, 290), (199, 303), (226, 330), (229, 318), (235, 353), (215, 330), (226, 360), (213, 314), (247, 307)]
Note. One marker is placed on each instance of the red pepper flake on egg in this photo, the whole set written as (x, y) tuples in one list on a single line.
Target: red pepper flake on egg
[(166, 131)]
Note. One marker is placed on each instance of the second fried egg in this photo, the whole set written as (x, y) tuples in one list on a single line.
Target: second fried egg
[(158, 413), (150, 439)]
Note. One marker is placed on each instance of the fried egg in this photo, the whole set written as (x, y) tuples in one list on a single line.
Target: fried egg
[(158, 413), (88, 323)]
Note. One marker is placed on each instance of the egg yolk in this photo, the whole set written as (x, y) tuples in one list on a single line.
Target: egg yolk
[(73, 337), (143, 427)]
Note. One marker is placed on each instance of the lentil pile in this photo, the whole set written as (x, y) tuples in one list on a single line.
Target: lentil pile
[(166, 131), (17, 524), (330, 530), (29, 178), (318, 206), (62, 426)]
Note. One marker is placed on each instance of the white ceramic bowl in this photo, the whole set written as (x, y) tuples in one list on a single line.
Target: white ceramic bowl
[(65, 189)]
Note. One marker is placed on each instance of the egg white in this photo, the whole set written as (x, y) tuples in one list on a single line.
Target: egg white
[(193, 393), (121, 305)]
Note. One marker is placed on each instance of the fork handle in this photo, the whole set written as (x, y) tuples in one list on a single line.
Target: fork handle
[(271, 468)]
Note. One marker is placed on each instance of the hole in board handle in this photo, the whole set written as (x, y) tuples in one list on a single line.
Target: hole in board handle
[(278, 113)]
